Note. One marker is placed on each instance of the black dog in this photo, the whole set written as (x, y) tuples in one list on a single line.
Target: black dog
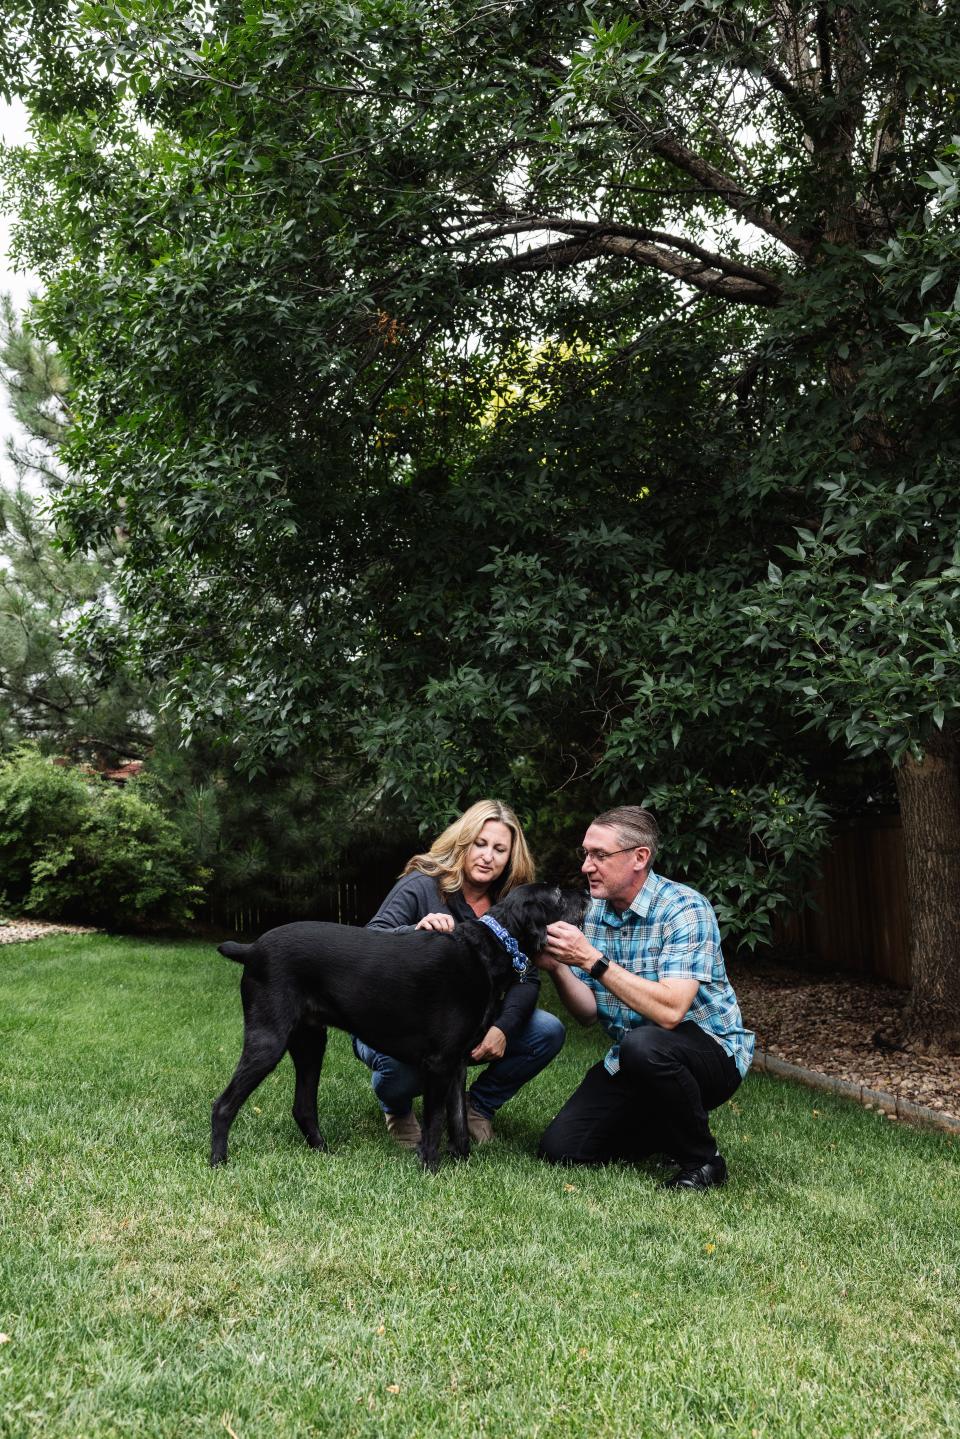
[(422, 997)]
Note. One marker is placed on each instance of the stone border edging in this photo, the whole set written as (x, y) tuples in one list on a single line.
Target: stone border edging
[(889, 1103)]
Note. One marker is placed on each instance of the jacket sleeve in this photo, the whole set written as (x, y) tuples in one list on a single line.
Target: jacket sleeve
[(519, 1002), (411, 898)]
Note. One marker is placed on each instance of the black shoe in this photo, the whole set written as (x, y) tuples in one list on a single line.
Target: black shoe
[(705, 1176)]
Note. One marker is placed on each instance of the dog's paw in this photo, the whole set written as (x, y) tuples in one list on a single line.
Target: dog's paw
[(430, 1162)]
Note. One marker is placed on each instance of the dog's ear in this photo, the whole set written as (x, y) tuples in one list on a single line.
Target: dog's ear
[(535, 923), (526, 912)]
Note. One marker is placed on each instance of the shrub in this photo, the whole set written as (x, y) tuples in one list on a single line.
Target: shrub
[(39, 800), (104, 855)]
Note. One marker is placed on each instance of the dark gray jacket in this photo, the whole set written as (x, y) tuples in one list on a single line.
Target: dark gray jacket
[(418, 894)]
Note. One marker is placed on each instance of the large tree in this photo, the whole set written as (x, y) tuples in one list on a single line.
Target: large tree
[(291, 254)]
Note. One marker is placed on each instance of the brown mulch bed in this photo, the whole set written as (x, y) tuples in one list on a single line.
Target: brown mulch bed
[(14, 931), (827, 1023)]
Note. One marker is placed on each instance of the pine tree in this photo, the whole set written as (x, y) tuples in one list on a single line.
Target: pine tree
[(70, 699)]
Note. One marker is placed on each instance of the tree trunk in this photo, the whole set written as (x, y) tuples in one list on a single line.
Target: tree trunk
[(930, 809)]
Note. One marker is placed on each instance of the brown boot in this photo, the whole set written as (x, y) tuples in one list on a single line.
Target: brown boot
[(404, 1128), (479, 1126)]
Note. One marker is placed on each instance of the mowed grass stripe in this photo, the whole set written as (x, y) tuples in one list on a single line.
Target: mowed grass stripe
[(294, 1293)]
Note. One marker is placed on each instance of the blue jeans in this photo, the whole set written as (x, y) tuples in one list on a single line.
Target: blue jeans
[(396, 1084)]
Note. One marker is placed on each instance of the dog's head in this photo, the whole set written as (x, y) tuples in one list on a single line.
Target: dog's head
[(527, 910)]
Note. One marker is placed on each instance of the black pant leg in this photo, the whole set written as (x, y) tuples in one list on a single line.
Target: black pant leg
[(679, 1075), (599, 1123)]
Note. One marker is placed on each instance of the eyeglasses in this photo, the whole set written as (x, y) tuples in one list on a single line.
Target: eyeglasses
[(600, 856)]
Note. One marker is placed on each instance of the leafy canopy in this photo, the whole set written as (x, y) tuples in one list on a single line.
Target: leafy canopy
[(291, 255)]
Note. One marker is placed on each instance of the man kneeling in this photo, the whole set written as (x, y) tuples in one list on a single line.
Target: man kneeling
[(648, 965)]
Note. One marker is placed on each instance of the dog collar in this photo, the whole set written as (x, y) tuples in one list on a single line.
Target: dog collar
[(520, 962)]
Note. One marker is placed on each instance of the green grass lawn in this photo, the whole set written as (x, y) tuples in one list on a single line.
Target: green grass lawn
[(294, 1293)]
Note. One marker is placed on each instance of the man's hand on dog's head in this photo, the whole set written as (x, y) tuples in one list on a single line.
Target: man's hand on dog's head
[(566, 945)]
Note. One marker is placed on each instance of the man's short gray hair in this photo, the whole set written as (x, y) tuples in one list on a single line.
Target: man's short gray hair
[(634, 825)]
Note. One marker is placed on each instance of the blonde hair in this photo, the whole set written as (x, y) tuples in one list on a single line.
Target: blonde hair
[(444, 861)]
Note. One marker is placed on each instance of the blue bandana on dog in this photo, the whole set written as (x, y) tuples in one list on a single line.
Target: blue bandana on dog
[(520, 962)]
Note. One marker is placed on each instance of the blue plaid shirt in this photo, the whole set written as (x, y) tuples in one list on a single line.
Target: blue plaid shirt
[(668, 932)]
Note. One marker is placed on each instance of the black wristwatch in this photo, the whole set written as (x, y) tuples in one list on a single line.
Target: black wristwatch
[(599, 967)]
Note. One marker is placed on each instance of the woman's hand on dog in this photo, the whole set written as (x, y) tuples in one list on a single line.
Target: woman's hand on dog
[(442, 923), (492, 1046)]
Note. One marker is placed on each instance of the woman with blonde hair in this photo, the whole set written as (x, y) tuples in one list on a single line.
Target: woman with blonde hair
[(477, 859)]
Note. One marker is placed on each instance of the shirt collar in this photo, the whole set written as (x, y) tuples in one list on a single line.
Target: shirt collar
[(639, 906)]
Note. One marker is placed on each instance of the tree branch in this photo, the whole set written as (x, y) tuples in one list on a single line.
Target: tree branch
[(523, 224), (796, 101), (706, 279), (668, 147), (822, 28), (729, 39), (804, 73)]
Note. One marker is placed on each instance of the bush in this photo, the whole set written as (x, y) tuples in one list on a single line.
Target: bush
[(38, 800), (74, 847)]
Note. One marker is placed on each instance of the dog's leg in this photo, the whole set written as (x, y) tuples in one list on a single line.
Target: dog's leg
[(435, 1085), (458, 1136), (307, 1045), (261, 1054)]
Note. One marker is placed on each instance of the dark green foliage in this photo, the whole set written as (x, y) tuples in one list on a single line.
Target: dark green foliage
[(80, 701), (287, 844), (291, 256), (74, 847), (38, 389), (265, 839), (38, 800)]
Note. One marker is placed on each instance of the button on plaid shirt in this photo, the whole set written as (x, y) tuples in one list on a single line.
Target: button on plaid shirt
[(668, 932)]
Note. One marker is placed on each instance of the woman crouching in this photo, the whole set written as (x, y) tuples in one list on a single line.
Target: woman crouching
[(475, 861)]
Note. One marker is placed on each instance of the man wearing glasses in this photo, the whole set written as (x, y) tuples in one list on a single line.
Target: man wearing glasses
[(648, 965)]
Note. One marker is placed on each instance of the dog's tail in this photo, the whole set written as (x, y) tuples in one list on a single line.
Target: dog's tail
[(239, 953)]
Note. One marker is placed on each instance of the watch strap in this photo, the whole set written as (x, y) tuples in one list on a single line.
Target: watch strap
[(599, 967)]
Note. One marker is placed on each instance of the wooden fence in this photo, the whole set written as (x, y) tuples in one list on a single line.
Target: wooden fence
[(862, 920), (332, 897)]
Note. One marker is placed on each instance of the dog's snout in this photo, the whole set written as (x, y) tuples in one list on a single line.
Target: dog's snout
[(572, 905)]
